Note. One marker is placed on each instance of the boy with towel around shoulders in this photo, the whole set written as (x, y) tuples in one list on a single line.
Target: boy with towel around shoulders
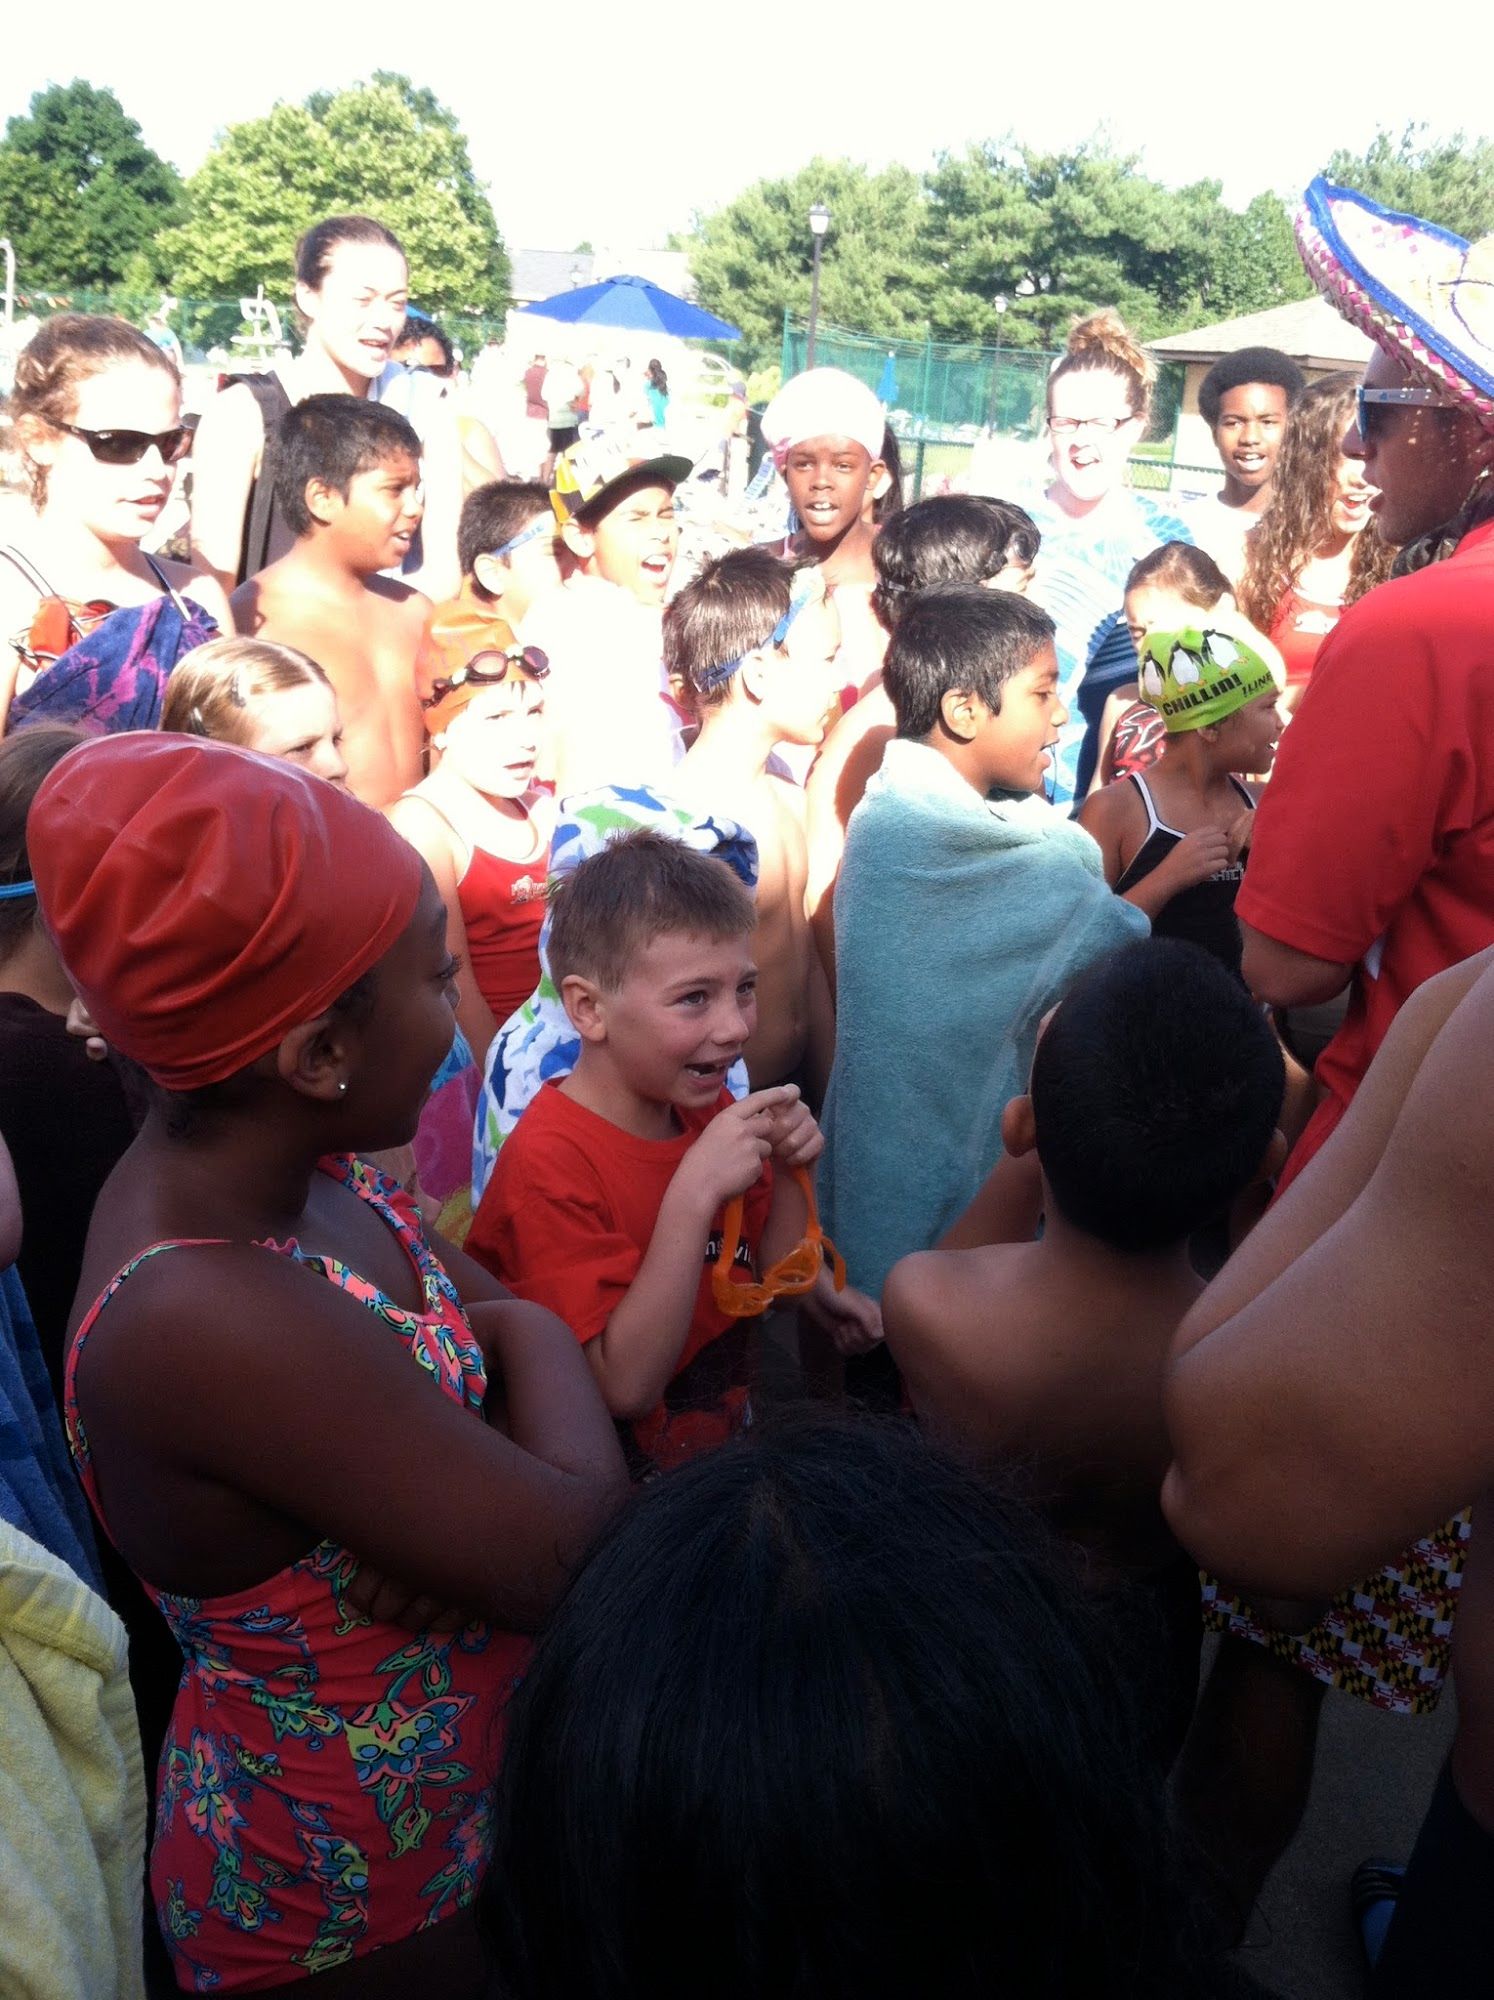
[(966, 906)]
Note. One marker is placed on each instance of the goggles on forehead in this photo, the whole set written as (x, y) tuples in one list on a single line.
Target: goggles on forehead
[(789, 1277), (540, 530), (807, 587), (490, 669)]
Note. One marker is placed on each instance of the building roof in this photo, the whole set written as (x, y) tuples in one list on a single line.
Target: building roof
[(540, 274), (1309, 330)]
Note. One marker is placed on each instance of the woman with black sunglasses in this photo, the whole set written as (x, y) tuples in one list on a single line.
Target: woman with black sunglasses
[(96, 418)]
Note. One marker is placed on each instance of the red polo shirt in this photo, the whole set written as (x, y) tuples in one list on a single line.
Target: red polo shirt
[(1374, 841)]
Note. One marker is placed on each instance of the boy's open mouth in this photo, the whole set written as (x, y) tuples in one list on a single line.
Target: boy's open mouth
[(706, 1071)]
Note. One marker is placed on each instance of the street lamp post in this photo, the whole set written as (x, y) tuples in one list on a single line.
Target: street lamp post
[(998, 306), (819, 222)]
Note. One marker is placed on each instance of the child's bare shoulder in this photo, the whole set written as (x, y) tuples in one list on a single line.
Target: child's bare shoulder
[(946, 1297)]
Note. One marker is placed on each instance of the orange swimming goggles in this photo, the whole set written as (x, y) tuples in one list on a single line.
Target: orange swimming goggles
[(790, 1276)]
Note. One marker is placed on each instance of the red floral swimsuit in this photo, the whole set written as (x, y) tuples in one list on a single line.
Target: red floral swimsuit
[(323, 1786)]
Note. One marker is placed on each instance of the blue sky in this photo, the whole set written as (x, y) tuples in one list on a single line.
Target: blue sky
[(591, 121)]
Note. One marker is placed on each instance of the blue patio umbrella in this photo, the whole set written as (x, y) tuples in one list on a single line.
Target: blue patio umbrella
[(636, 304)]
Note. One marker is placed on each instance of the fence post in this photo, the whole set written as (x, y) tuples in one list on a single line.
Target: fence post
[(923, 407), (783, 348)]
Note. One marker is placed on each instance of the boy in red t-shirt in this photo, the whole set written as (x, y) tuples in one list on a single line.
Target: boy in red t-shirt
[(606, 1203)]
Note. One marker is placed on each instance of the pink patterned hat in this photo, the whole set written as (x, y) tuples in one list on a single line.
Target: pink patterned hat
[(1423, 295)]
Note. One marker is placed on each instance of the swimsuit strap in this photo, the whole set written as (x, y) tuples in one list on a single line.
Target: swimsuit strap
[(32, 575), (1154, 822), (1243, 789)]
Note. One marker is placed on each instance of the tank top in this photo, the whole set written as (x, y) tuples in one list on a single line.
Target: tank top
[(503, 909), (1300, 626), (1203, 914), (323, 1786)]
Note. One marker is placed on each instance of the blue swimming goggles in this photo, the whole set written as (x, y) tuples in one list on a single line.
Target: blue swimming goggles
[(807, 587)]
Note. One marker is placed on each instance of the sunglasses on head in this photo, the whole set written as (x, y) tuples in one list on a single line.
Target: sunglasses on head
[(129, 447), (790, 1276), (1371, 407), (477, 673)]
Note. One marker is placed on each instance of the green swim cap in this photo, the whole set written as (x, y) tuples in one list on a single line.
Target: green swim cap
[(1198, 678)]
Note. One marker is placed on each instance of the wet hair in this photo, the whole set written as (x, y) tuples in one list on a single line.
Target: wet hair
[(640, 886), (492, 515), (948, 538), (813, 1701), (333, 439), (959, 636), (1104, 343), (315, 249), (1156, 1088), (211, 690), (66, 351), (1188, 572), (25, 759), (889, 503), (1248, 364), (724, 613), (418, 328), (1299, 516)]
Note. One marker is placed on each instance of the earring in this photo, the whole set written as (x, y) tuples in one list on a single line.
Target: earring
[(342, 1088)]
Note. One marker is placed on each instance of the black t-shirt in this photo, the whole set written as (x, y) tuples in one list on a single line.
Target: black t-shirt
[(66, 1122)]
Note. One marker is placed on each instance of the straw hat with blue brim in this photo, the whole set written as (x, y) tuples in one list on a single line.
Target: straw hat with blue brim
[(1422, 294), (590, 471)]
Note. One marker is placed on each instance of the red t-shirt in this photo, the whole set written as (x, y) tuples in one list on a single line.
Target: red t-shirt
[(566, 1221), (1374, 841)]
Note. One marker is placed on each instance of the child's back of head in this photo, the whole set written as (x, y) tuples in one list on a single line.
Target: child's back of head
[(1156, 1088), (1181, 571), (732, 607), (949, 538), (958, 636), (810, 1699), (332, 439), (640, 886)]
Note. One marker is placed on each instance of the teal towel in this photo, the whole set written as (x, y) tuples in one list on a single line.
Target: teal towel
[(959, 922)]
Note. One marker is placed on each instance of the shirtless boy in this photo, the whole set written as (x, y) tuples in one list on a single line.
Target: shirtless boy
[(347, 477), (753, 641), (824, 429), (1153, 1103)]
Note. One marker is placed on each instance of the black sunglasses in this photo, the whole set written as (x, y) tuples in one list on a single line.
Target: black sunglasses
[(129, 447)]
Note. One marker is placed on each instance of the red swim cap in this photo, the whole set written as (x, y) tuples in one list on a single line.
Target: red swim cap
[(205, 900)]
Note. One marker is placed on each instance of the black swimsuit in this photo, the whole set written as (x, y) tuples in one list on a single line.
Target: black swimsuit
[(1204, 914)]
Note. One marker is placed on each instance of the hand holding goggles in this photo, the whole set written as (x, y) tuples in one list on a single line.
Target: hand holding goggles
[(789, 1277)]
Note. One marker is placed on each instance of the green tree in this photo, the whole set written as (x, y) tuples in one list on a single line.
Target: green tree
[(82, 197), (1059, 234), (753, 257), (1446, 181), (383, 148)]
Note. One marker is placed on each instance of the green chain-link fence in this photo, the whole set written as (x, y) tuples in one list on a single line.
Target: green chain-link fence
[(945, 399)]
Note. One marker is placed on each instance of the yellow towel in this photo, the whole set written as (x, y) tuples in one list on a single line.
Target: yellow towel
[(72, 1791)]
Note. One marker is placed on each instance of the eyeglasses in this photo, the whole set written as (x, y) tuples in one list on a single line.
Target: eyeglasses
[(789, 1277), (129, 447), (527, 659), (1372, 405), (1103, 426)]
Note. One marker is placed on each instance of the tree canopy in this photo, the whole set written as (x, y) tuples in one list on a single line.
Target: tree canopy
[(1048, 234), (83, 199), (382, 148), (1446, 181)]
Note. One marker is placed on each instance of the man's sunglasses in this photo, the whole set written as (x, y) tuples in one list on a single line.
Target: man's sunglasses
[(1372, 405), (129, 447)]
